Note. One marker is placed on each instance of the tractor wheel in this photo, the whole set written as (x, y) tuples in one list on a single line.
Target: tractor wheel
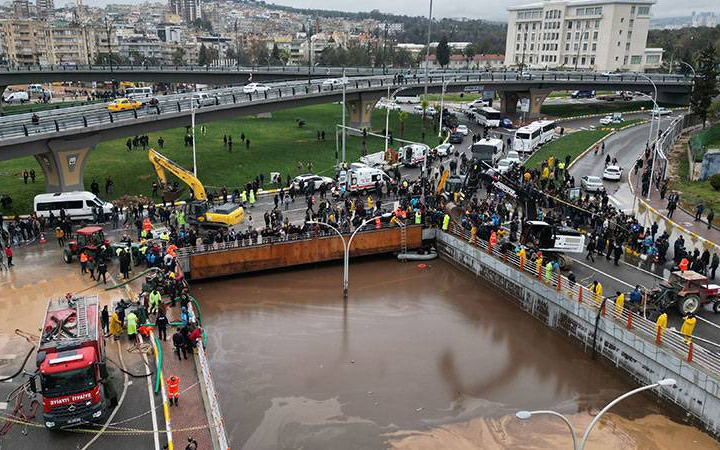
[(652, 314), (67, 256), (688, 304), (563, 262), (716, 306)]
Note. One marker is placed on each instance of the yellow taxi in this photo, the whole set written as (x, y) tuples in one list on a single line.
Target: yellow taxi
[(124, 104)]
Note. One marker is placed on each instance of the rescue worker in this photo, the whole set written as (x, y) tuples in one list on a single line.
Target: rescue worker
[(243, 198), (132, 321), (598, 291), (83, 262), (684, 263), (115, 325), (661, 324), (688, 327), (252, 198), (155, 299), (418, 217), (173, 386), (619, 303), (161, 322), (446, 222), (179, 344), (548, 272), (60, 235)]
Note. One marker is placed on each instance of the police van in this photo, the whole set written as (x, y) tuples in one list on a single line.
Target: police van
[(77, 204)]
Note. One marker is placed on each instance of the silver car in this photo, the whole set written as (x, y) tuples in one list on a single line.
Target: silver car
[(592, 184)]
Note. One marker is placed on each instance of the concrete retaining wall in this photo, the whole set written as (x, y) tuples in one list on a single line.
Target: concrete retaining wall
[(292, 253), (697, 391)]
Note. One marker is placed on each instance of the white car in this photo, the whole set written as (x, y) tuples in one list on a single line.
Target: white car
[(611, 119), (661, 112), (613, 173), (317, 181), (254, 88), (504, 165), (418, 109), (462, 129), (592, 184), (513, 157), (334, 82), (445, 149)]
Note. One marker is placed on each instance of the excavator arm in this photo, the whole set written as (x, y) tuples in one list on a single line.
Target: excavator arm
[(161, 163)]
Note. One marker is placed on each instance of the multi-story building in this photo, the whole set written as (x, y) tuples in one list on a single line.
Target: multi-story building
[(45, 8), (189, 10), (21, 9), (603, 35), (70, 43), (24, 42), (28, 42)]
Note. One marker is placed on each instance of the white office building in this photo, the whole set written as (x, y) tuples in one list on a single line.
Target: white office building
[(601, 35)]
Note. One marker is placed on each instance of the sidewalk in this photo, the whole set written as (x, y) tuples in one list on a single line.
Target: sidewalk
[(191, 411)]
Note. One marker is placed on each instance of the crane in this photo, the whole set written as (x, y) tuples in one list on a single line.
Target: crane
[(198, 211)]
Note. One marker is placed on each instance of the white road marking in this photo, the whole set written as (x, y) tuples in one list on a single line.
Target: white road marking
[(3, 406), (603, 273), (643, 270), (8, 356)]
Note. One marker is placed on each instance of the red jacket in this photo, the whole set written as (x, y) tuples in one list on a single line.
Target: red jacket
[(8, 252), (195, 335)]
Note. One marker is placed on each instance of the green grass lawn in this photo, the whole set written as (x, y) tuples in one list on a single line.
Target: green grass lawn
[(455, 98), (692, 192), (572, 144), (277, 144), (581, 109)]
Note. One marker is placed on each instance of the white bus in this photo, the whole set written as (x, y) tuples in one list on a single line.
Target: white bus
[(138, 92), (488, 117), (77, 205), (547, 130), (527, 138)]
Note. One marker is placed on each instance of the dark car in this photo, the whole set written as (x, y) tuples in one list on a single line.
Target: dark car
[(583, 94), (456, 138), (505, 122)]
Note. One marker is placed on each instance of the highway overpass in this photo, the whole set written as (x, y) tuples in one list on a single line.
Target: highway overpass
[(63, 137)]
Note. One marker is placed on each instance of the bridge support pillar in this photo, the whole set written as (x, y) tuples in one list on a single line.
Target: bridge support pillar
[(2, 93), (360, 110), (64, 166), (537, 97), (508, 102)]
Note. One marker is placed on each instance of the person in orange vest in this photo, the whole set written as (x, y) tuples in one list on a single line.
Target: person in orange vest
[(173, 385), (172, 250), (377, 222), (683, 264), (493, 238), (83, 263), (146, 225)]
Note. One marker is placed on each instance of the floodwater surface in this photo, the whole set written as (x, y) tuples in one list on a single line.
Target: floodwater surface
[(416, 358)]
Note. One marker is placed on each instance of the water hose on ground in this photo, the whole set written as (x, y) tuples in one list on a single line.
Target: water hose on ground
[(130, 373), (159, 364), (21, 368)]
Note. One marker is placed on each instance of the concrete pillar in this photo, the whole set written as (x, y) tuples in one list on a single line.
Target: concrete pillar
[(537, 97), (360, 110), (2, 94), (508, 102), (64, 166)]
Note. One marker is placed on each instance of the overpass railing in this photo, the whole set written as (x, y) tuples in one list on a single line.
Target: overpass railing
[(69, 119), (666, 340)]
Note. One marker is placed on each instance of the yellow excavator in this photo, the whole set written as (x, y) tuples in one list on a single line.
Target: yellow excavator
[(198, 211)]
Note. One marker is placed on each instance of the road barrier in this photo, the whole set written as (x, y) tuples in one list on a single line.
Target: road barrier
[(626, 338), (216, 419)]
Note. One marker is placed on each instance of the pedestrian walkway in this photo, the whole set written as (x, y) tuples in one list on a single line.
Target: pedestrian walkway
[(190, 413)]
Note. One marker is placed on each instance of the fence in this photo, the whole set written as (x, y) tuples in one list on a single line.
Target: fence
[(666, 341), (669, 136), (217, 422)]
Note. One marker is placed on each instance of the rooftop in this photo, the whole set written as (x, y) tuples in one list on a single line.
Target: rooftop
[(538, 5)]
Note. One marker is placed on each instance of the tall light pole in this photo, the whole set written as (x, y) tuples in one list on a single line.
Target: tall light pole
[(237, 44), (694, 77), (309, 46), (442, 104), (346, 248), (192, 129), (427, 50), (650, 137), (344, 130), (387, 115), (525, 415)]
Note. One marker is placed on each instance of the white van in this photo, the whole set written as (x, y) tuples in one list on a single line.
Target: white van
[(547, 130), (77, 204), (527, 138), (138, 93), (35, 89), (413, 154), (17, 97), (361, 177)]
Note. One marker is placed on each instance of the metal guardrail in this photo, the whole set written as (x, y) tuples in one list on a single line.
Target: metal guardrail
[(73, 119), (218, 423), (668, 341)]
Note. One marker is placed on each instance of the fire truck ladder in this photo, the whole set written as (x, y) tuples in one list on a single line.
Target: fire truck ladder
[(81, 317), (403, 240)]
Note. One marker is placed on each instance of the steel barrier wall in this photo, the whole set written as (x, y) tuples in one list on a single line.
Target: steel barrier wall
[(217, 421), (626, 339)]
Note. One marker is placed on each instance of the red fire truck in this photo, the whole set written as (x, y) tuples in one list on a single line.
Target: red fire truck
[(71, 363)]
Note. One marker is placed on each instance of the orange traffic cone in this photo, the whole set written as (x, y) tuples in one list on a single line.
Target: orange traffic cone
[(42, 238)]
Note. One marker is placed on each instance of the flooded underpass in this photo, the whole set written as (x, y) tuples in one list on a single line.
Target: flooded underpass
[(416, 358)]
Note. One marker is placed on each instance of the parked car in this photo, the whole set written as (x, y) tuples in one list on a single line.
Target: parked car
[(124, 104), (504, 165), (17, 97), (254, 88), (456, 138), (462, 129), (613, 173), (513, 156), (334, 82), (445, 149), (505, 122), (612, 119), (592, 184), (203, 99), (317, 181), (583, 94)]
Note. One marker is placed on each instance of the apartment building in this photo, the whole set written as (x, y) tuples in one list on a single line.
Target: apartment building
[(45, 8), (189, 10), (602, 35), (28, 42)]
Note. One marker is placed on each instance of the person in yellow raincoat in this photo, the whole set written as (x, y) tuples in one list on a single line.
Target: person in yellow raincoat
[(115, 325), (619, 303), (661, 323), (597, 290), (688, 327), (548, 272)]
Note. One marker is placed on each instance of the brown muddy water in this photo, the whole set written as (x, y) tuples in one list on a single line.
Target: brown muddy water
[(416, 358)]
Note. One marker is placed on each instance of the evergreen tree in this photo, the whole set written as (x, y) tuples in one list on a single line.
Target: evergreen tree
[(469, 54), (705, 88), (203, 55), (443, 52), (178, 56), (275, 55)]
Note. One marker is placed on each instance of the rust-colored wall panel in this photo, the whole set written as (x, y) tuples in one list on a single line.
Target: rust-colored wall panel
[(273, 256)]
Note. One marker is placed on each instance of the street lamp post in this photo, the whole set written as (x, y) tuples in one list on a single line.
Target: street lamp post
[(387, 115), (650, 137), (525, 415), (192, 129), (344, 130), (442, 104), (346, 248), (694, 76), (427, 50)]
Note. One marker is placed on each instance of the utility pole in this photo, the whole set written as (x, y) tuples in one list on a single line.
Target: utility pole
[(237, 44), (577, 57), (427, 50), (522, 62), (109, 46), (309, 46), (385, 53)]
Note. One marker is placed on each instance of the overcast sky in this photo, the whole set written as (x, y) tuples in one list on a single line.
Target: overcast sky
[(480, 9)]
